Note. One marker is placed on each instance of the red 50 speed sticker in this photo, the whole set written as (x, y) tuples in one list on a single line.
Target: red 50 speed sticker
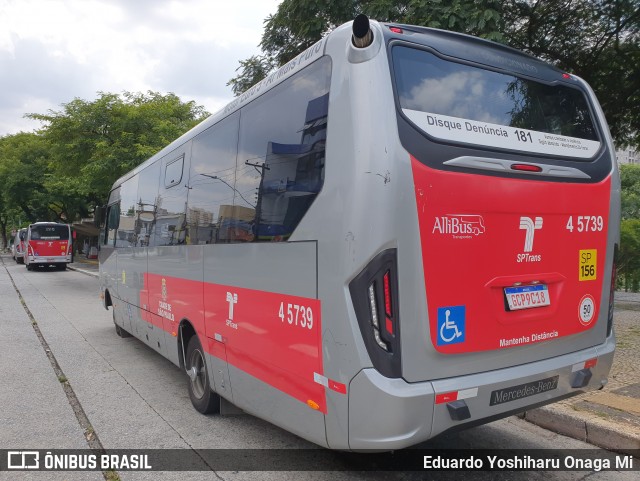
[(587, 309)]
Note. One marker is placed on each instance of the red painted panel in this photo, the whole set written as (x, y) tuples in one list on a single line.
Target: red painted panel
[(273, 337), (173, 299), (45, 248), (480, 234)]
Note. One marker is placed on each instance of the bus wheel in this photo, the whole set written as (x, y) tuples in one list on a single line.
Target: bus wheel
[(202, 398), (29, 267), (119, 330)]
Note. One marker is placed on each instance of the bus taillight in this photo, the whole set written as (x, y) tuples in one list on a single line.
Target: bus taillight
[(373, 306), (387, 302), (374, 293)]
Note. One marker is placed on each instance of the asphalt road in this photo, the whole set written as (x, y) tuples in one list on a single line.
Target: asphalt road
[(133, 398)]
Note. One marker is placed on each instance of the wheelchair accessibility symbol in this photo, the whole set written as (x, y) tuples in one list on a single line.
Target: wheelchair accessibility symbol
[(451, 325)]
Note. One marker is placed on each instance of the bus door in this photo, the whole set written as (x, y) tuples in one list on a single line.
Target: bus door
[(170, 280), (130, 260), (107, 254)]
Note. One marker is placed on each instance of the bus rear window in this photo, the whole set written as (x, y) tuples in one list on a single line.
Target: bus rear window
[(50, 232), (462, 103)]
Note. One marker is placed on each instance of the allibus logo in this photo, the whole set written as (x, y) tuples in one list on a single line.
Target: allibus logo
[(459, 225)]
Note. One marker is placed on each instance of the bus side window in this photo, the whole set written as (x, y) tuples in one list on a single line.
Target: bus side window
[(212, 186), (171, 204), (281, 152), (125, 235), (111, 226), (173, 172), (147, 206)]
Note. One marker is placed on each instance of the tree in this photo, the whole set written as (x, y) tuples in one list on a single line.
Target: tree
[(23, 168), (298, 24), (629, 255), (630, 183), (598, 40), (92, 143), (62, 171)]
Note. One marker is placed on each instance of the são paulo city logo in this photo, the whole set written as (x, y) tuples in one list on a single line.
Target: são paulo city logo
[(459, 226)]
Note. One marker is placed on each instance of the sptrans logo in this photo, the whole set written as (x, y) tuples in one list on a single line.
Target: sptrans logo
[(530, 226), (459, 226)]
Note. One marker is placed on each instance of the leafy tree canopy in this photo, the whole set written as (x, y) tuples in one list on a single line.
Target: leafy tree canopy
[(96, 142), (598, 40), (69, 165), (630, 180), (23, 167)]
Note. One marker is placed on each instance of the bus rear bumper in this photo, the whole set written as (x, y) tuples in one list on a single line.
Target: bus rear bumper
[(44, 260), (400, 414)]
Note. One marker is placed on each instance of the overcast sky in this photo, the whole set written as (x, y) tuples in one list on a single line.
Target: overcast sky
[(52, 51)]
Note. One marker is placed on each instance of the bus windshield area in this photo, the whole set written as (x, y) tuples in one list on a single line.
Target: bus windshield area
[(50, 232), (464, 103)]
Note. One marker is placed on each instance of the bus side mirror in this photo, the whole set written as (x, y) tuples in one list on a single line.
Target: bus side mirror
[(98, 215)]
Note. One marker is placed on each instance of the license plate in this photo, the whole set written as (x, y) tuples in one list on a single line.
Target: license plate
[(527, 297)]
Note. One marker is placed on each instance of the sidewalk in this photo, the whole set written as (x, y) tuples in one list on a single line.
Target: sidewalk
[(609, 418), (86, 266)]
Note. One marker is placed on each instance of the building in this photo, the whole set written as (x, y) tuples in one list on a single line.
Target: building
[(628, 155)]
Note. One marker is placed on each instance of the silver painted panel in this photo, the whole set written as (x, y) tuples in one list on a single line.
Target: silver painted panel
[(479, 406), (264, 401), (286, 268), (388, 413)]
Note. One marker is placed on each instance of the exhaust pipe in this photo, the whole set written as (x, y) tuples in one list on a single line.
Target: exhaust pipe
[(362, 35)]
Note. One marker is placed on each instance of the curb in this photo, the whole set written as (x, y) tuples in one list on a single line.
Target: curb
[(83, 271), (586, 427)]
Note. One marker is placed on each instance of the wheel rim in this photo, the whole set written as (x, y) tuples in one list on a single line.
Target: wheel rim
[(199, 382)]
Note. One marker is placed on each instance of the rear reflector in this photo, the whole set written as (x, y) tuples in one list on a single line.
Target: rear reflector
[(446, 397), (526, 167), (456, 395), (588, 364)]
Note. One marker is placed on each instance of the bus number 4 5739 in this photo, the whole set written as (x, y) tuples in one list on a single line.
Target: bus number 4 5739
[(296, 315)]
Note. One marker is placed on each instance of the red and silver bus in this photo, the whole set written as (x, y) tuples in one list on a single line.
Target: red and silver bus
[(401, 232), (48, 243)]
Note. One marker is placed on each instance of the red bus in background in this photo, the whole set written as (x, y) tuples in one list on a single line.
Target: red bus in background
[(48, 243)]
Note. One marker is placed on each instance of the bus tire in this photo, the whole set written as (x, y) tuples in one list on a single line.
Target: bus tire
[(121, 332), (203, 399)]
